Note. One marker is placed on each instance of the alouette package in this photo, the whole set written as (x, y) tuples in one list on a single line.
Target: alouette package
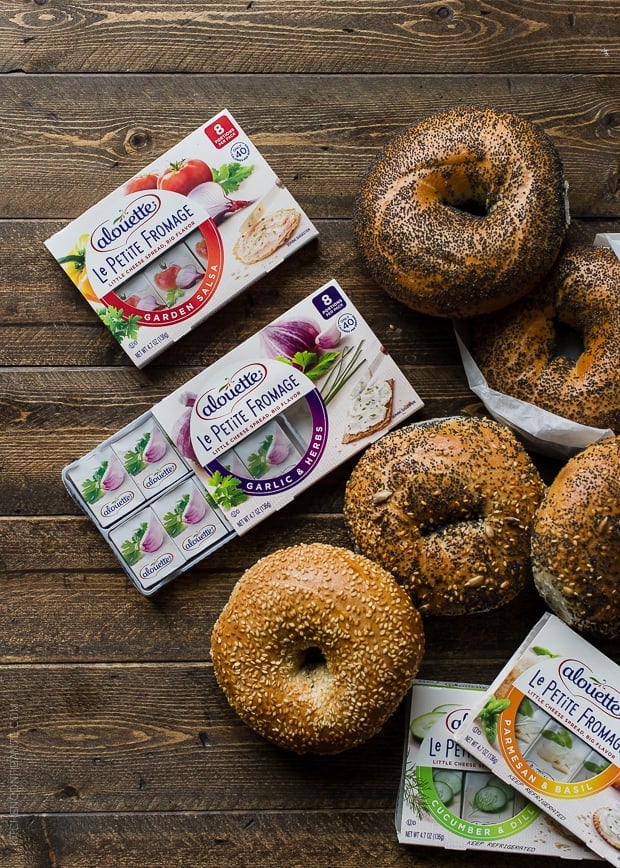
[(548, 726), (448, 798), (173, 244), (242, 438)]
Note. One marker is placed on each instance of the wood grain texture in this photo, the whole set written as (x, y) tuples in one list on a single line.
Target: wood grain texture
[(320, 133), (300, 37), (49, 620), (46, 323), (116, 745), (245, 839)]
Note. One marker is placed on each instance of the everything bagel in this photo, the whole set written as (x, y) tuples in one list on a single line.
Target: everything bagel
[(517, 348), (446, 506)]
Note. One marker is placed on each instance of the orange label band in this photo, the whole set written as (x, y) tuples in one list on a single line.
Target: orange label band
[(523, 768)]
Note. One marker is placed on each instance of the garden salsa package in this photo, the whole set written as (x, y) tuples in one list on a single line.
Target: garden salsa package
[(242, 438), (549, 726), (448, 798), (173, 244)]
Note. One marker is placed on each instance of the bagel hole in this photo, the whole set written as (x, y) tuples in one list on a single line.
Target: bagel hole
[(466, 192), (567, 341), (472, 207), (312, 658), (439, 527), (443, 516)]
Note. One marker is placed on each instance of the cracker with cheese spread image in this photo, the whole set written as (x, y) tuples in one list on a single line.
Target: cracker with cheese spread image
[(262, 233), (370, 408), (607, 823)]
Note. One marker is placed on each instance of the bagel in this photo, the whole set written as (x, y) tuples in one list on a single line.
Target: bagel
[(517, 348), (576, 541), (446, 506), (462, 213), (316, 647)]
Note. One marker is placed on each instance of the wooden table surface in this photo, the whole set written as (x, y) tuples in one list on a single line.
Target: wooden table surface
[(117, 747)]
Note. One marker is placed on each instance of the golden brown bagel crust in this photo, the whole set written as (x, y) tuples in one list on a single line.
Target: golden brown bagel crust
[(576, 541), (447, 506), (514, 348), (308, 597), (414, 219)]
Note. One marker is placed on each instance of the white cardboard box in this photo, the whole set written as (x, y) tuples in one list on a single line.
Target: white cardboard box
[(448, 798), (549, 725), (242, 438), (164, 251)]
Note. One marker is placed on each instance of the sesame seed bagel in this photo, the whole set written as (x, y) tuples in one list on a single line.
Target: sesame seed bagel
[(316, 647), (576, 541), (462, 213), (517, 348), (446, 506)]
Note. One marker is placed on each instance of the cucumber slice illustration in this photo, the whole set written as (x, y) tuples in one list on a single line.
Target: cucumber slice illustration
[(420, 725), (453, 779), (490, 799), (444, 792), (501, 785)]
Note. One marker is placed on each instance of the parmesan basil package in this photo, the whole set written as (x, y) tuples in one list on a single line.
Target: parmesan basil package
[(549, 725), (173, 244), (448, 798), (242, 438)]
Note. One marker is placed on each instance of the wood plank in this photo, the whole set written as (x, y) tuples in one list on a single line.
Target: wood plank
[(64, 147), (163, 737), (62, 614), (46, 322), (229, 839), (325, 37), (57, 597)]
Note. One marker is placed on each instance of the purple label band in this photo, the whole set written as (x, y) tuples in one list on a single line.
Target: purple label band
[(304, 466)]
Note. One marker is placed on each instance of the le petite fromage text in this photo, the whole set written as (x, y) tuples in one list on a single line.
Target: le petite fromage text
[(583, 712), (148, 241)]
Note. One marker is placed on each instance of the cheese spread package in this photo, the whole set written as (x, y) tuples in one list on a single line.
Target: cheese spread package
[(242, 438), (173, 244), (549, 726), (448, 798)]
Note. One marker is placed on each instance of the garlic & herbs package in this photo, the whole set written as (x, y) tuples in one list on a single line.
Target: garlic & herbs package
[(242, 438)]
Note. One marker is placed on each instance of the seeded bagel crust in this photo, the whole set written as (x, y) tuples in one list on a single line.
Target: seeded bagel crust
[(576, 541), (316, 648), (462, 213), (515, 348), (446, 506)]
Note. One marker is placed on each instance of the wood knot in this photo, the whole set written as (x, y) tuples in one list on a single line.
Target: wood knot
[(613, 183), (137, 141)]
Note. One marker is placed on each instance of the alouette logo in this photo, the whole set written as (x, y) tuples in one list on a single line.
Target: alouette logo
[(155, 478), (579, 679), (110, 508), (454, 719), (114, 233), (219, 402), (191, 542), (155, 566)]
